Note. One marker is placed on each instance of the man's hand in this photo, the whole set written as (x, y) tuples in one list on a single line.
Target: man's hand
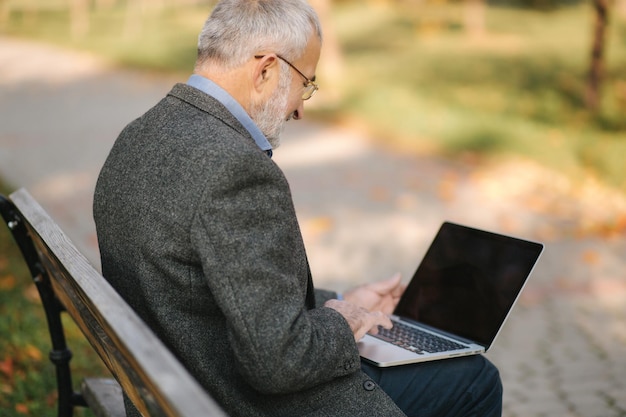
[(360, 320), (379, 296)]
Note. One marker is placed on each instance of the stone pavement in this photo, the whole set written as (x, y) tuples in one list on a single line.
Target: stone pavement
[(366, 211)]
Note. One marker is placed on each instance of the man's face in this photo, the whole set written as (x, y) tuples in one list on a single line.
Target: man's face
[(286, 101), (269, 115)]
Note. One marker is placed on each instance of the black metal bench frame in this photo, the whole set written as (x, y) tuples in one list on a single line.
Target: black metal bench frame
[(67, 283)]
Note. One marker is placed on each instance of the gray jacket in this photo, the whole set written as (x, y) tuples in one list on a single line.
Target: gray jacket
[(197, 231)]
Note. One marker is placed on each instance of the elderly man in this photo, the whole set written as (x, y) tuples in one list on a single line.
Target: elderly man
[(197, 231)]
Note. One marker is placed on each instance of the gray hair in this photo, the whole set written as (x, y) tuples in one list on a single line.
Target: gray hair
[(237, 29)]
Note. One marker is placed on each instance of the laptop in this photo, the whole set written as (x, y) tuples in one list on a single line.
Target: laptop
[(460, 295)]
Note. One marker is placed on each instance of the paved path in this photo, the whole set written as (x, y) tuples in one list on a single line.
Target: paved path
[(366, 212)]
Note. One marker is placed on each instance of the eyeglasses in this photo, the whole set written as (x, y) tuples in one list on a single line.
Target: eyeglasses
[(310, 87)]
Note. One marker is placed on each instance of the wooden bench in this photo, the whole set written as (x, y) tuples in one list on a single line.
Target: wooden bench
[(142, 366)]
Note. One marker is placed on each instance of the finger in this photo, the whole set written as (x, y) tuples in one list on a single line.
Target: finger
[(389, 305), (382, 320), (368, 324), (384, 323), (399, 290)]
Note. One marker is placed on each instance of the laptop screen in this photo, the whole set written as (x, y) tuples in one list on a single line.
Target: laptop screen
[(468, 281)]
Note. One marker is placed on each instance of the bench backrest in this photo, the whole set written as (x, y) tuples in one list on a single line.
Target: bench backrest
[(149, 374)]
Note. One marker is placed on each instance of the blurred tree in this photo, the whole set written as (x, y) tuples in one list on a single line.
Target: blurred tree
[(331, 62), (136, 11), (5, 11), (536, 4), (475, 17), (596, 69), (28, 9), (79, 18), (620, 8), (105, 4)]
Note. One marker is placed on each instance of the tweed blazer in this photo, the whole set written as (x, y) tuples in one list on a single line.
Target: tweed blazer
[(197, 231)]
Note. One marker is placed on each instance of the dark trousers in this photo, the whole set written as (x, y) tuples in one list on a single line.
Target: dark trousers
[(461, 387)]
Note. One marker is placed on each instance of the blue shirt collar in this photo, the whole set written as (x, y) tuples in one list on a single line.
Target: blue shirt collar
[(221, 95)]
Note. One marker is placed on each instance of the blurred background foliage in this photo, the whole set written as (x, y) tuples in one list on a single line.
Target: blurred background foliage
[(455, 77)]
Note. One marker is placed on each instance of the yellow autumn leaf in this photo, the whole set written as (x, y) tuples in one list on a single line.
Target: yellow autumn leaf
[(315, 227), (33, 352), (52, 398), (7, 282), (447, 186), (379, 194), (32, 294), (591, 257), (6, 367)]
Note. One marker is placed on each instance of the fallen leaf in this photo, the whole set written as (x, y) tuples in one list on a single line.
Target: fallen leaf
[(565, 286), (406, 202), (33, 352), (620, 224), (6, 367), (7, 282), (535, 203), (608, 287), (51, 399), (509, 224), (313, 228), (21, 408), (591, 257), (446, 189), (547, 232), (379, 194), (32, 294), (533, 296)]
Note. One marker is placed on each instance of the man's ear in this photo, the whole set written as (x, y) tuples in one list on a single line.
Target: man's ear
[(265, 73)]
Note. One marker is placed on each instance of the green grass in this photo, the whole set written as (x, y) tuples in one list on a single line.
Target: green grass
[(413, 75), (517, 90), (27, 378), (156, 40)]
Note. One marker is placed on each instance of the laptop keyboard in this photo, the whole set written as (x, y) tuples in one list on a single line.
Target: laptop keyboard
[(416, 340)]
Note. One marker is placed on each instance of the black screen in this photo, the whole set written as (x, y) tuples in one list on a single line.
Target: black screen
[(468, 281)]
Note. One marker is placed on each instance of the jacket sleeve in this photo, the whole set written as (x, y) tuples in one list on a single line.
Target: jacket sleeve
[(247, 236), (321, 296)]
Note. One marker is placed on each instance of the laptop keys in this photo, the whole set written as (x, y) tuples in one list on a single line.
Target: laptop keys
[(416, 340)]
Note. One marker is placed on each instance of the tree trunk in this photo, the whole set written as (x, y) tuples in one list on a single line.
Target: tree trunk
[(136, 11), (331, 61), (79, 18), (596, 70), (620, 8), (5, 11), (105, 4), (475, 17)]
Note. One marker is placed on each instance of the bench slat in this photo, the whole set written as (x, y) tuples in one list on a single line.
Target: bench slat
[(104, 396)]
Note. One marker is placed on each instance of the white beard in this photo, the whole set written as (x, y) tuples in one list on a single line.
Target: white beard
[(269, 116)]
